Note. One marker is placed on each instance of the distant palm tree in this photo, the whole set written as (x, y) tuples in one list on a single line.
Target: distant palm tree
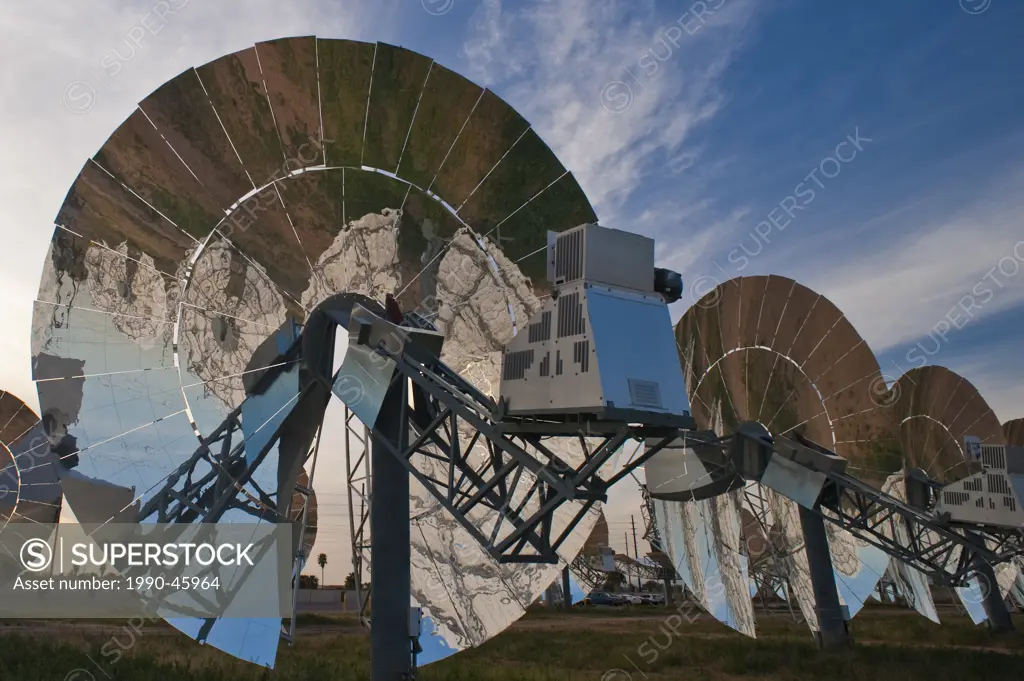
[(321, 560)]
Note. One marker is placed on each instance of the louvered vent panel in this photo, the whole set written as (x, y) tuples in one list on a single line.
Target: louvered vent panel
[(541, 330), (569, 256), (570, 315), (581, 355), (545, 365), (955, 498), (993, 456), (997, 484), (645, 393), (516, 364)]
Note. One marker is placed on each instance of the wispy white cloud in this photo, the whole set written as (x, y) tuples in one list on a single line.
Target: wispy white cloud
[(553, 61), (927, 273), (485, 37)]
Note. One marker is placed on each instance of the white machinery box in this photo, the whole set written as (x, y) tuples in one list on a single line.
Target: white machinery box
[(603, 343)]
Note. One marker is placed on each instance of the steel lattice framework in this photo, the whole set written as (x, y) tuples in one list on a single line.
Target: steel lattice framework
[(948, 553), (521, 479), (480, 459)]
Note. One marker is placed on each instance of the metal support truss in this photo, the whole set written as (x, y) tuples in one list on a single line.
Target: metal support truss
[(889, 588), (770, 581), (218, 476), (505, 466), (651, 534), (585, 571), (524, 482), (215, 479), (946, 552), (647, 573), (300, 559), (358, 486), (769, 573)]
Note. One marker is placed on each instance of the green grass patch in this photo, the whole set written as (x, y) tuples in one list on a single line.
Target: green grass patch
[(545, 646)]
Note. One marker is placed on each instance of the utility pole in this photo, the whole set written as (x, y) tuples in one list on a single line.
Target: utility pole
[(636, 551), (629, 577)]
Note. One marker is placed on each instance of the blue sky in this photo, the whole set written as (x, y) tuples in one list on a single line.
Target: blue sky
[(739, 112)]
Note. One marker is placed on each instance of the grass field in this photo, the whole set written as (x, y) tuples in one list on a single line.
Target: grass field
[(610, 646)]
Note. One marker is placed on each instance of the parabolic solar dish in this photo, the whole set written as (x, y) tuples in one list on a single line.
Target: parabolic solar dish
[(237, 197), (767, 349), (1013, 431), (598, 538), (29, 488), (937, 409), (702, 538)]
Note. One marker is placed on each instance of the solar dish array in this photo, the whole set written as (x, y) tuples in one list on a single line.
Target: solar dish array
[(244, 192), (29, 489), (768, 349)]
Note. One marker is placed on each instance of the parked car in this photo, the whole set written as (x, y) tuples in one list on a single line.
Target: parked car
[(603, 598), (633, 599), (653, 599)]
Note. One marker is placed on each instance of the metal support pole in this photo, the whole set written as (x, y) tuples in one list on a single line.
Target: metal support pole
[(566, 590), (832, 632), (999, 621), (390, 649), (668, 590)]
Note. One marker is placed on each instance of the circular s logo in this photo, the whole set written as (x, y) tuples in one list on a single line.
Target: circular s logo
[(437, 7), (79, 675), (883, 395), (36, 555), (706, 291), (79, 97), (975, 6), (616, 675), (616, 97)]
